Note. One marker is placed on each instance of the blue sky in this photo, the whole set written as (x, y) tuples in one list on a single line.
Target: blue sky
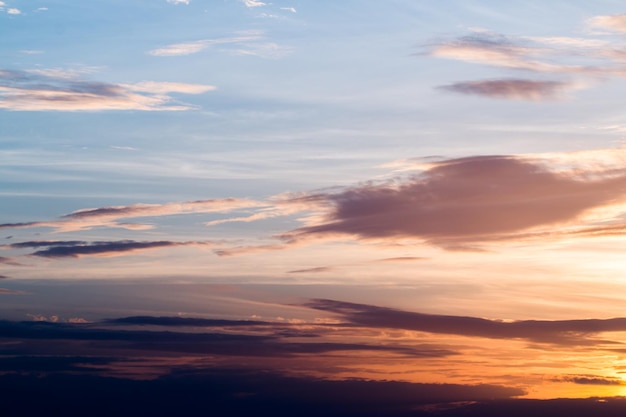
[(245, 159)]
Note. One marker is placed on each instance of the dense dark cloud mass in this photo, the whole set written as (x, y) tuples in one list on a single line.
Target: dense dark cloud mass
[(76, 248), (229, 392)]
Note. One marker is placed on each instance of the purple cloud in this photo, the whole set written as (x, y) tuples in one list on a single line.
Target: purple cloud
[(511, 89)]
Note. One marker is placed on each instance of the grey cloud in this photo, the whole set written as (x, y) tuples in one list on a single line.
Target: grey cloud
[(100, 248), (563, 332)]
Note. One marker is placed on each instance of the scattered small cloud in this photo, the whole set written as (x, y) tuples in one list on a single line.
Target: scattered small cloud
[(42, 318), (41, 9), (515, 89), (289, 9), (14, 11), (31, 52), (186, 2), (588, 59)]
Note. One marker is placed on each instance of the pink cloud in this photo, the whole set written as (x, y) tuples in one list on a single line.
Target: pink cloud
[(475, 199)]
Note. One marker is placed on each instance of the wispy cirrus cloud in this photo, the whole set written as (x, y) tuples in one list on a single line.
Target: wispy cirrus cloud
[(250, 43), (188, 48), (86, 219), (59, 90), (516, 89)]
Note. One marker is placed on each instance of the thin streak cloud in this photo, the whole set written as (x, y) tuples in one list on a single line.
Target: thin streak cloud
[(41, 91)]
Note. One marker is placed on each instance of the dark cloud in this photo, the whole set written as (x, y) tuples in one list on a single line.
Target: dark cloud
[(460, 201), (47, 243), (591, 380), (270, 344), (511, 89), (565, 332), (229, 392), (184, 321), (18, 225), (73, 249)]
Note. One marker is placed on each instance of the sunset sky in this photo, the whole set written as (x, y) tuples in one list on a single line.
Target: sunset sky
[(409, 204)]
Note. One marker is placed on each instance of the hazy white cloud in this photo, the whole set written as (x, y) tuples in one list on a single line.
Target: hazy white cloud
[(253, 3), (188, 48), (264, 50), (63, 90), (178, 1), (41, 9), (14, 11), (289, 9), (616, 23)]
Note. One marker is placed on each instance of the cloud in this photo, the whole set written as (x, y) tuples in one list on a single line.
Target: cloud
[(73, 249), (110, 216), (402, 259), (184, 322), (556, 55), (516, 89), (316, 270), (8, 291), (591, 380), (253, 3), (475, 199), (563, 332), (289, 9), (14, 11), (222, 391), (186, 2), (56, 90), (188, 48), (616, 23)]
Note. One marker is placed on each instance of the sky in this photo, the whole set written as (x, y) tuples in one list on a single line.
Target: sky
[(348, 208)]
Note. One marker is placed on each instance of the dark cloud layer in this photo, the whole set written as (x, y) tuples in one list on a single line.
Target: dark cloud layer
[(228, 392), (273, 343), (566, 332), (511, 89), (465, 200)]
